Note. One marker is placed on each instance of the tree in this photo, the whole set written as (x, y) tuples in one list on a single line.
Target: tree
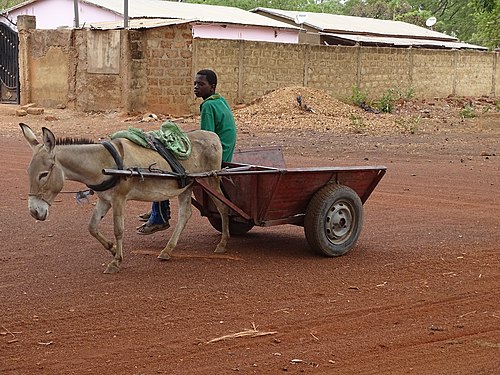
[(487, 17), (325, 6), (5, 4), (473, 21)]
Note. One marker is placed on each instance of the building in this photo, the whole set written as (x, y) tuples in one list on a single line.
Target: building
[(206, 21), (333, 29), (209, 21)]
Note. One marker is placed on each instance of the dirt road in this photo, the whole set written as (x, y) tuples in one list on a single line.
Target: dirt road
[(419, 293)]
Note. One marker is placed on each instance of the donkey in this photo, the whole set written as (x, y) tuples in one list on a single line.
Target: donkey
[(51, 164)]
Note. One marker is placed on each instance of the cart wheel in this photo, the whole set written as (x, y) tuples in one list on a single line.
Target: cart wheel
[(333, 221), (236, 228)]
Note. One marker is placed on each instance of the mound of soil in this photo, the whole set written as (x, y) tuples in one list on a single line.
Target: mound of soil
[(297, 109)]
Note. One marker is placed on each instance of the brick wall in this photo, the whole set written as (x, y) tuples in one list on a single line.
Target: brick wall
[(153, 69), (333, 69), (168, 69), (383, 69), (223, 58), (433, 73), (473, 74), (247, 70)]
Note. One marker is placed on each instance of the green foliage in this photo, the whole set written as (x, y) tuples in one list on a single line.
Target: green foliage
[(467, 112), (487, 17), (358, 96), (324, 6), (5, 4), (386, 103), (473, 21)]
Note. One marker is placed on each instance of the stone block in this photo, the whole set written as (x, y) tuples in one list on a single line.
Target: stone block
[(50, 118), (26, 22), (29, 105), (35, 111)]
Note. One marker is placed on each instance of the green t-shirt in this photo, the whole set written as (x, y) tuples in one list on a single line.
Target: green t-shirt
[(216, 116)]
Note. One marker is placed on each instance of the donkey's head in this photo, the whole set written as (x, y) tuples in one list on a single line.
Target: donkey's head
[(46, 177)]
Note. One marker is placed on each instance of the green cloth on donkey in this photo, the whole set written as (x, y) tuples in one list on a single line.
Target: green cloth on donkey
[(169, 134)]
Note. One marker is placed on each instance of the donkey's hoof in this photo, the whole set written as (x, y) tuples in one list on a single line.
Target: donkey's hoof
[(220, 250), (164, 256), (111, 268)]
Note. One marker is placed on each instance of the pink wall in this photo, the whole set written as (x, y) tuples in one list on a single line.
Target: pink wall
[(58, 13), (240, 32)]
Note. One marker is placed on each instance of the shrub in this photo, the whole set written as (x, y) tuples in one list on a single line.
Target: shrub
[(467, 112), (386, 103), (358, 97)]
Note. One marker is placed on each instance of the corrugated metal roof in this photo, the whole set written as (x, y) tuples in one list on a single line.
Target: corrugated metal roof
[(403, 42), (334, 23), (136, 23), (187, 11)]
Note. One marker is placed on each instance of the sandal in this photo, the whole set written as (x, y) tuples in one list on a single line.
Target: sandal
[(145, 216), (147, 228)]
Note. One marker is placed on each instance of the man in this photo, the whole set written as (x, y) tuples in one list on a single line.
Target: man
[(215, 116)]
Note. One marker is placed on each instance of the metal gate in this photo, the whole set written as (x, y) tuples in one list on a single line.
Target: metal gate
[(9, 67)]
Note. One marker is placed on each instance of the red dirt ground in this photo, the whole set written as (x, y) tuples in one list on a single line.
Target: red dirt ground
[(418, 294)]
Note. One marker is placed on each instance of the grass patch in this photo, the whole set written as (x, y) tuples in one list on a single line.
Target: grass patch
[(467, 112)]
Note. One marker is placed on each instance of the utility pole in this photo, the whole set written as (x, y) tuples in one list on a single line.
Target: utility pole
[(125, 14), (77, 18)]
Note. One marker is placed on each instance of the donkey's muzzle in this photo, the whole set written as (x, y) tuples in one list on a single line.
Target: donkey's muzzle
[(38, 208)]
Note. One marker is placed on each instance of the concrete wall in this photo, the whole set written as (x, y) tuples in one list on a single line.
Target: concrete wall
[(250, 69), (102, 70), (46, 65), (153, 69)]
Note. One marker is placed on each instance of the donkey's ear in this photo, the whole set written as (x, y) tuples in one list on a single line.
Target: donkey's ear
[(29, 135), (49, 140)]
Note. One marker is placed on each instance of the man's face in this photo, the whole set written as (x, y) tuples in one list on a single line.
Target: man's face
[(202, 89)]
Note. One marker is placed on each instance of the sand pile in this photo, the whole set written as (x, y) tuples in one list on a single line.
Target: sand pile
[(302, 108)]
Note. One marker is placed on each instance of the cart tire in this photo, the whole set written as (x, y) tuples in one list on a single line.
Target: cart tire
[(333, 221), (236, 228)]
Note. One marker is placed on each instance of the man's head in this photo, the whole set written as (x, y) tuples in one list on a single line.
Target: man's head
[(205, 83)]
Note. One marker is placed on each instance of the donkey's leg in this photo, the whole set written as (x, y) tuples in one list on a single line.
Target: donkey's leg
[(118, 225), (100, 211), (224, 214), (183, 217)]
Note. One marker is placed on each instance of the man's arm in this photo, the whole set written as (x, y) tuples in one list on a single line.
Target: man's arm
[(207, 118)]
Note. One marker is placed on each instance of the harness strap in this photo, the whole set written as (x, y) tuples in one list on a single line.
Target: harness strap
[(111, 182), (177, 168)]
